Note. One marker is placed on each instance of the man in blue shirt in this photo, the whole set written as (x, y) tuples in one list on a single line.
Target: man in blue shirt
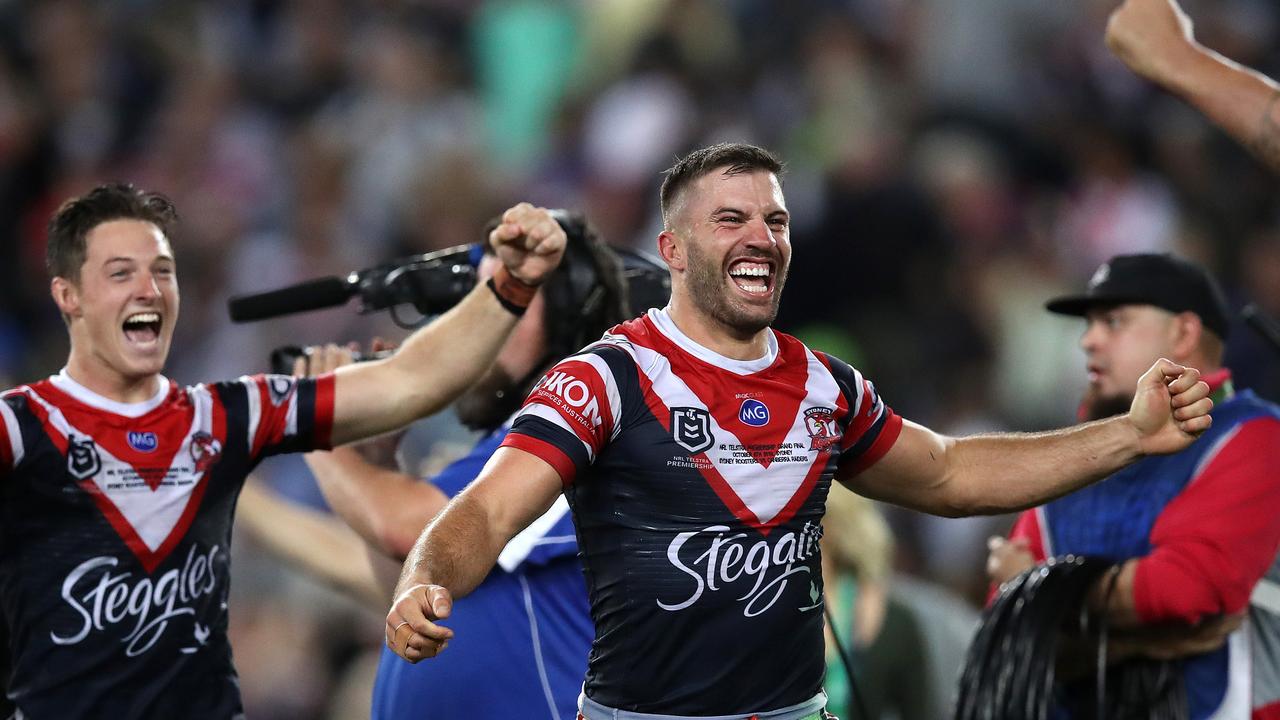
[(528, 630)]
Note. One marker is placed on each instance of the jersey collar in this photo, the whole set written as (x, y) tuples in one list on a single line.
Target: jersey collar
[(661, 319), (66, 384)]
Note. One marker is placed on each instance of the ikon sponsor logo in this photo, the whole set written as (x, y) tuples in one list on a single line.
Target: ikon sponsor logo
[(142, 441), (727, 559), (574, 393), (754, 413), (145, 606)]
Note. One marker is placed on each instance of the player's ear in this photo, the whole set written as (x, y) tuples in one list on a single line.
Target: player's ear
[(66, 295), (671, 249)]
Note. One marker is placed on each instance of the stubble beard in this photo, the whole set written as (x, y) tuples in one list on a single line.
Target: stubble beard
[(708, 290), (1099, 407)]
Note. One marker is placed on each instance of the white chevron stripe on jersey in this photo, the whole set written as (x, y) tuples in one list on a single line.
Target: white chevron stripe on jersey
[(764, 494), (13, 431), (153, 514)]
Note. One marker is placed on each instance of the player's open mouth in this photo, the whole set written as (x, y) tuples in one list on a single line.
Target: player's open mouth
[(142, 328), (752, 276)]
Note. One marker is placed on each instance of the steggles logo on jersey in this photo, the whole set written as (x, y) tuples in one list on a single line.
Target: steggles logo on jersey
[(820, 423), (205, 450), (105, 600), (142, 441), (83, 460), (691, 429), (754, 413), (727, 559)]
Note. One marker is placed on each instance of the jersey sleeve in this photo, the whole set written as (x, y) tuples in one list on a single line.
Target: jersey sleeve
[(12, 449), (572, 412), (280, 414), (869, 427), (1218, 537)]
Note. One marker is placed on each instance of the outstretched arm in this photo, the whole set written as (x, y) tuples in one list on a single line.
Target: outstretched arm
[(460, 547), (1155, 39), (987, 474), (439, 361)]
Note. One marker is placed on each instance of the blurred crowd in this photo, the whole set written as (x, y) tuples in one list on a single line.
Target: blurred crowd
[(950, 166)]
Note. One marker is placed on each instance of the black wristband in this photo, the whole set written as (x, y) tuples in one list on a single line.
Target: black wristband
[(514, 309)]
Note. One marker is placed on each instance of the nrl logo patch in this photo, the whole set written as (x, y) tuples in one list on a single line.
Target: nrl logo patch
[(82, 458), (691, 429)]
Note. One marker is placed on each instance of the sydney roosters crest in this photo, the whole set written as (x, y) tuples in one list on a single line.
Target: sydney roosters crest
[(205, 450), (820, 423)]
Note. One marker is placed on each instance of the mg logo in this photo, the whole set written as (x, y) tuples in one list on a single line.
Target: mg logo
[(754, 413), (143, 441), (691, 429)]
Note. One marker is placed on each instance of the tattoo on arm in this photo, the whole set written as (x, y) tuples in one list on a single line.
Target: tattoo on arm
[(1266, 143)]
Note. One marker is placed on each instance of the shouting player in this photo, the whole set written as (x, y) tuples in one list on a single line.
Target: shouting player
[(696, 446), (117, 486)]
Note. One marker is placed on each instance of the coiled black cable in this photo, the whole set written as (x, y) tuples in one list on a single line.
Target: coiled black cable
[(1010, 669)]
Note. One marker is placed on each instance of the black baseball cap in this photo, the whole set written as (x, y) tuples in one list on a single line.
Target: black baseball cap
[(1163, 280)]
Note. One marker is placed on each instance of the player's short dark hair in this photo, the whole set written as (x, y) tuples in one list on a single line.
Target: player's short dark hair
[(70, 226), (734, 157)]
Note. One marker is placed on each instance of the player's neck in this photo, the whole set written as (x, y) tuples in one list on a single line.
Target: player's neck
[(714, 336), (111, 384)]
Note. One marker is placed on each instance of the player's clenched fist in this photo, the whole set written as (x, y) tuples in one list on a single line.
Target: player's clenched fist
[(529, 242), (1170, 408), (1152, 37), (411, 632)]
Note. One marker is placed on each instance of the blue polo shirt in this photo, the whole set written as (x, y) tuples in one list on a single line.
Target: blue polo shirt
[(520, 638)]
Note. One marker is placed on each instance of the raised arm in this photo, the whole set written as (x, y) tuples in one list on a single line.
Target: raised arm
[(988, 474), (439, 361), (1155, 39), (461, 545)]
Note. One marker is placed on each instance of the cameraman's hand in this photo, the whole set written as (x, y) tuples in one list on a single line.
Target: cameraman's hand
[(529, 242), (320, 359)]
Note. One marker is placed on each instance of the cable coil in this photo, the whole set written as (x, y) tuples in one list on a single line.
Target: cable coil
[(1010, 669)]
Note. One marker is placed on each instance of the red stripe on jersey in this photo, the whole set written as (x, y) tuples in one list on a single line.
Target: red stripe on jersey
[(180, 528), (323, 419), (544, 451), (889, 433), (170, 421), (865, 416), (713, 478), (782, 391), (121, 525), (268, 418), (1268, 712)]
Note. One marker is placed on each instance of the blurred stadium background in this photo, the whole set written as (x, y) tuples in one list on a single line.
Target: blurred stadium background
[(951, 165)]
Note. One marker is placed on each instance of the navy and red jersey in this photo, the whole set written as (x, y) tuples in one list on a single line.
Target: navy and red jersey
[(115, 532), (698, 485)]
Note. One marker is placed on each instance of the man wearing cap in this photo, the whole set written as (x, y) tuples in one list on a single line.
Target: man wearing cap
[(1193, 533)]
